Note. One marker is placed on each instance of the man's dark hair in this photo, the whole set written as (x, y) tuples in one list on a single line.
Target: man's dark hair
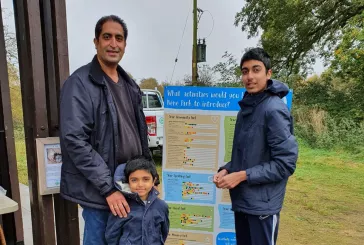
[(257, 54), (103, 20), (141, 163)]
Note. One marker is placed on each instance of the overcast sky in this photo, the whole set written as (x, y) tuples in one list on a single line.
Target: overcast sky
[(155, 33)]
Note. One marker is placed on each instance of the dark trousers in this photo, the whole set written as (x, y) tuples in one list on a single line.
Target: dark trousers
[(256, 229)]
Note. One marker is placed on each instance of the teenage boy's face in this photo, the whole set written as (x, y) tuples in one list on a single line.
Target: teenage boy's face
[(141, 182), (255, 76)]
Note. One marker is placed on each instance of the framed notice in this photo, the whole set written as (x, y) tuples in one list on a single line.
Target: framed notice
[(49, 158)]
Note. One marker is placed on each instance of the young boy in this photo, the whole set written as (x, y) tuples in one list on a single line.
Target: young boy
[(148, 222)]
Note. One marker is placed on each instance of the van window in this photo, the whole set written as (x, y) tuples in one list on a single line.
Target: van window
[(144, 100), (152, 101)]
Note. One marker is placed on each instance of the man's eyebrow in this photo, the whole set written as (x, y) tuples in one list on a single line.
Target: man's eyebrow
[(117, 35)]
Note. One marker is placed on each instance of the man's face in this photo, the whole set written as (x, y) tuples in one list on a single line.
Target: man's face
[(255, 76), (111, 43), (141, 182)]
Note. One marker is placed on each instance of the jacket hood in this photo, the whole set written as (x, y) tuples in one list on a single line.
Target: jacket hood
[(120, 182), (277, 87), (274, 87)]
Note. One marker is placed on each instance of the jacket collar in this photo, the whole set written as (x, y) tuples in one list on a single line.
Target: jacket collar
[(97, 74), (250, 101)]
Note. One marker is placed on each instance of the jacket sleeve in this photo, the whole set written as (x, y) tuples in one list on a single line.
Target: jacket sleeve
[(77, 123), (165, 225), (283, 150), (227, 167), (114, 229)]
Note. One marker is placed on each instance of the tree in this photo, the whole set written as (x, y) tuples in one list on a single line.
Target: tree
[(229, 71), (13, 76), (348, 61), (206, 77), (15, 97), (296, 32), (10, 42), (151, 83)]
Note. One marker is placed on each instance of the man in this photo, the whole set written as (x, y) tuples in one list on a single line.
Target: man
[(102, 125), (264, 153)]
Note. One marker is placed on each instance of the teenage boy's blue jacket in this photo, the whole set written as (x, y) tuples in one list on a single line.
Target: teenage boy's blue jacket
[(146, 224), (265, 147)]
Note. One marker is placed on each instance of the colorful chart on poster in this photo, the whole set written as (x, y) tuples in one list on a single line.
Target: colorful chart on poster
[(229, 127), (188, 238), (189, 187), (191, 217), (192, 141), (226, 217)]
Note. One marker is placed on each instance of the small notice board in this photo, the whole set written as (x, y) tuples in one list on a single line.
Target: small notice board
[(49, 158)]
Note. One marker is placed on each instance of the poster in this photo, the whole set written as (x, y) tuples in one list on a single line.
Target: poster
[(198, 136), (53, 165)]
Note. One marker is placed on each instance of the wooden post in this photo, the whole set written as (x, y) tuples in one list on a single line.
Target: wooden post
[(194, 45), (43, 59), (32, 78), (66, 212)]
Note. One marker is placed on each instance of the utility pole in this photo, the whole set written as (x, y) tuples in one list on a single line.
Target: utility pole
[(194, 45)]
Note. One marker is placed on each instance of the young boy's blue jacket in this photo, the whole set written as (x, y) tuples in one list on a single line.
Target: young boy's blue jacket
[(146, 224), (265, 147)]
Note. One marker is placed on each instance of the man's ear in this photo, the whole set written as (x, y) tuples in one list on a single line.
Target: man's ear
[(96, 42)]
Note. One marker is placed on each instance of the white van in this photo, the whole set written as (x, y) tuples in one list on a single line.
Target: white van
[(154, 115)]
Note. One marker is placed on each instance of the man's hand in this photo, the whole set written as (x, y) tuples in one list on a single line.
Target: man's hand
[(231, 180), (219, 176), (118, 205)]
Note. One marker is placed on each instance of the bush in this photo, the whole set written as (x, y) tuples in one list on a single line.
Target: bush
[(321, 130)]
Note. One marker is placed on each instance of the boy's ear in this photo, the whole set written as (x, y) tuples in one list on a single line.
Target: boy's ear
[(156, 180)]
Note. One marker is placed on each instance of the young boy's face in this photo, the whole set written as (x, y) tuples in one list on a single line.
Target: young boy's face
[(141, 182)]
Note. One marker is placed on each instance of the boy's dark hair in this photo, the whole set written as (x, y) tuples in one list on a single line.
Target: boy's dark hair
[(141, 163), (103, 20), (257, 54)]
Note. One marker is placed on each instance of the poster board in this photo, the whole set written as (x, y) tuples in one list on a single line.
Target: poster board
[(49, 159), (199, 127)]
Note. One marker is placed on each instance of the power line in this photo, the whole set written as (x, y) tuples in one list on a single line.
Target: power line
[(179, 48), (213, 23)]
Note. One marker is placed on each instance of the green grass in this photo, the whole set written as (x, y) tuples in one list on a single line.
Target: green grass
[(324, 201), (21, 158)]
